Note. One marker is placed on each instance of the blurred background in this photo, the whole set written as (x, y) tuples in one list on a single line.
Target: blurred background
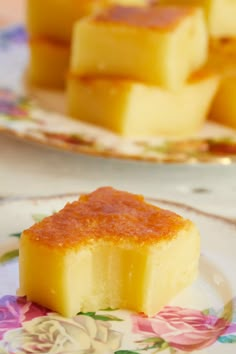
[(11, 11)]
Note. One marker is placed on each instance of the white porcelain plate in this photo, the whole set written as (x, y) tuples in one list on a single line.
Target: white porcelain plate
[(38, 115), (200, 319)]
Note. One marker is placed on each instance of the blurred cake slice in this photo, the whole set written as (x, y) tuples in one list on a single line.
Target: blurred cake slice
[(49, 62), (162, 45), (220, 15), (223, 109), (55, 18), (223, 59), (134, 109), (108, 249), (222, 56)]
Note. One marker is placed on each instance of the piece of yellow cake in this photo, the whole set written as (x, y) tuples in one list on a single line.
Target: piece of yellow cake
[(220, 15), (49, 62), (222, 56), (223, 109), (161, 45), (108, 249), (55, 18), (223, 59), (134, 109)]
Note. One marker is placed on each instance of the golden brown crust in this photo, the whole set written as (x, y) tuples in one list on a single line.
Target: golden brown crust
[(118, 81), (204, 73), (106, 214), (162, 18), (115, 81), (49, 42)]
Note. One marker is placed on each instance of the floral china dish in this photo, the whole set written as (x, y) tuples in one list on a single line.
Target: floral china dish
[(202, 319), (38, 115)]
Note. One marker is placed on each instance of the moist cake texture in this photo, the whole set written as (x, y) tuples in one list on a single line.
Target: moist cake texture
[(108, 249)]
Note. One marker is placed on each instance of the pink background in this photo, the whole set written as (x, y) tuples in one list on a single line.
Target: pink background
[(11, 11)]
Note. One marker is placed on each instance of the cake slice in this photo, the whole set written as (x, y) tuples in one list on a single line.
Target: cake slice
[(220, 15), (55, 18), (223, 59), (49, 62), (223, 109), (108, 249), (134, 109), (161, 45)]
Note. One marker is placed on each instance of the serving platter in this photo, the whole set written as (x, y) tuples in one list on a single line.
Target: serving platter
[(201, 319), (39, 115)]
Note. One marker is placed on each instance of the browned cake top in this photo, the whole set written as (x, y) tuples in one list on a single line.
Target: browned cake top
[(160, 18), (106, 214)]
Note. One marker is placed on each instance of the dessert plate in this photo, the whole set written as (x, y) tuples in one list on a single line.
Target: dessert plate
[(38, 115), (202, 319)]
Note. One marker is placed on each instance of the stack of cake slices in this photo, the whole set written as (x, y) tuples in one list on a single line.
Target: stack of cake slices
[(221, 20), (138, 71), (50, 24)]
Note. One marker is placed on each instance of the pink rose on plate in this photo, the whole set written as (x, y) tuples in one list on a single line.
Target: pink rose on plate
[(182, 329), (16, 310)]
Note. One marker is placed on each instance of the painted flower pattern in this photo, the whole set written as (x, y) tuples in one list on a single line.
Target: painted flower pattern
[(12, 35), (14, 311), (27, 328), (183, 329), (13, 106), (55, 334)]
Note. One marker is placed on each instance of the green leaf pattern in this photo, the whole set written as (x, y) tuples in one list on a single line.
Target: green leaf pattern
[(6, 257)]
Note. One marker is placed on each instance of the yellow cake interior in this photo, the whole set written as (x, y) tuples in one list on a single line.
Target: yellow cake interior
[(102, 252)]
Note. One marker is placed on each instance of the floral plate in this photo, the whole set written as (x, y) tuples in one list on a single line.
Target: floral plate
[(37, 115), (201, 319)]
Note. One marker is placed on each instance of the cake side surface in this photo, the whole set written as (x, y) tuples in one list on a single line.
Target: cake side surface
[(49, 62), (61, 16), (134, 109)]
